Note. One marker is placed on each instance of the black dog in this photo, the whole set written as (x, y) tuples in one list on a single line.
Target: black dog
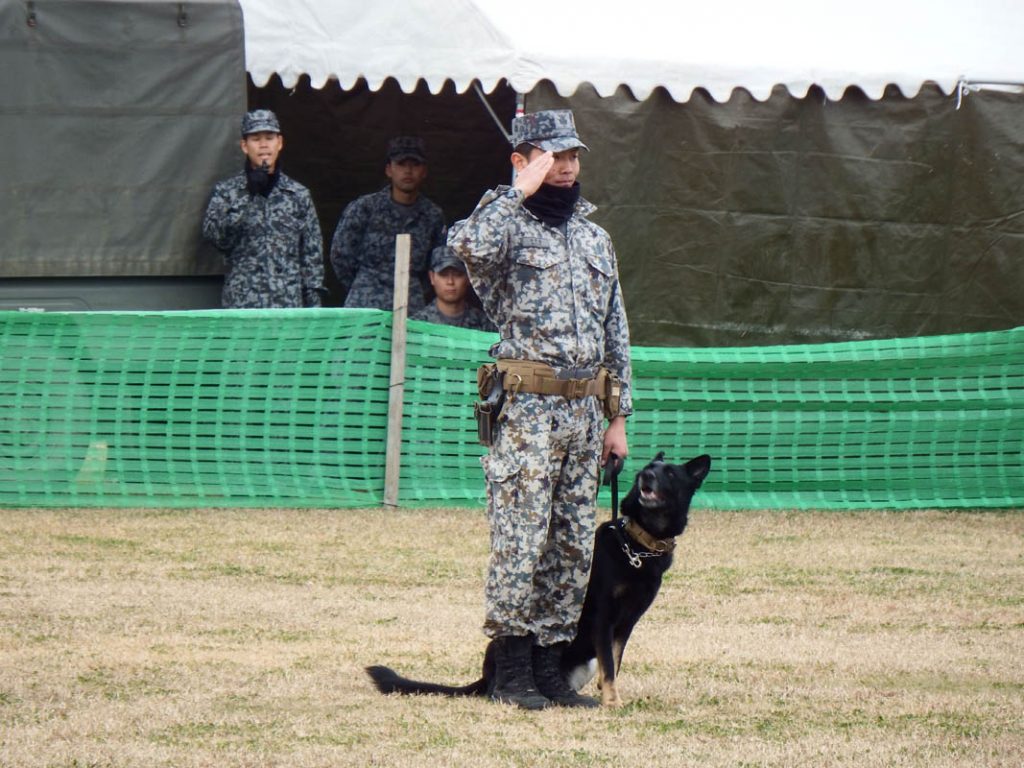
[(631, 555)]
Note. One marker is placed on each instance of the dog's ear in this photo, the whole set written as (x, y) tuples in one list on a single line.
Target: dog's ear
[(660, 456), (698, 468)]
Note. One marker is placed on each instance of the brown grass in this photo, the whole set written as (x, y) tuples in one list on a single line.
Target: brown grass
[(237, 638)]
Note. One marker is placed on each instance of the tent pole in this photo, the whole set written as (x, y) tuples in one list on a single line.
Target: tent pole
[(520, 111), (497, 120)]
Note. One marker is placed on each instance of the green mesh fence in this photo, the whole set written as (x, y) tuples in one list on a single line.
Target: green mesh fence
[(193, 409), (289, 408), (922, 422), (440, 452)]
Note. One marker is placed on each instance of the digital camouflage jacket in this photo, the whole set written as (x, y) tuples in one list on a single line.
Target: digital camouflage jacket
[(556, 298), (272, 246), (472, 317), (363, 248)]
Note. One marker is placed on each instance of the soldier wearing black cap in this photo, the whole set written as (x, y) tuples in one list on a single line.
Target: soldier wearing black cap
[(363, 248), (266, 226), (451, 285), (548, 277)]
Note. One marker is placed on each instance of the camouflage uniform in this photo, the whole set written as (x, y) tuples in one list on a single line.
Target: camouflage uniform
[(272, 246), (363, 249), (556, 299), (472, 317)]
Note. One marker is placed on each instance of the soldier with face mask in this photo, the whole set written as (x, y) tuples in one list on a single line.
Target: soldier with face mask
[(266, 226), (548, 277)]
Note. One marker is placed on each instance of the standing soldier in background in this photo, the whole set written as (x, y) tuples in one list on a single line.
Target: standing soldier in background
[(265, 224), (549, 278), (363, 249)]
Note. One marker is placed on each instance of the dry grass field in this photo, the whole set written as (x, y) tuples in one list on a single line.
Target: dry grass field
[(238, 638)]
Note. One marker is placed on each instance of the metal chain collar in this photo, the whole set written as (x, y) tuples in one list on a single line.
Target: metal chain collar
[(636, 559)]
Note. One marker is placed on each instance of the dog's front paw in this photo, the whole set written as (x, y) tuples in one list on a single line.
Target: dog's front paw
[(610, 696)]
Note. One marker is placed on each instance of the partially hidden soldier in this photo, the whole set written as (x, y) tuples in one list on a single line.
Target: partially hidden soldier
[(451, 305), (363, 248), (265, 224), (549, 278)]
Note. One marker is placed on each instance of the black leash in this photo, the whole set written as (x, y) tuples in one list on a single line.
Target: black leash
[(612, 468)]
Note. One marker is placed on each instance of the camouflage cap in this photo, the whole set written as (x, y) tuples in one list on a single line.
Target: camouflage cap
[(551, 130), (443, 257), (404, 147), (260, 120)]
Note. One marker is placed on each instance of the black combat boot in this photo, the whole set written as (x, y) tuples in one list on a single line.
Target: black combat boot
[(513, 675), (547, 672)]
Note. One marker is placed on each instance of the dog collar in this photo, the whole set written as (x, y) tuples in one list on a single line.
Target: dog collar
[(654, 547), (643, 538)]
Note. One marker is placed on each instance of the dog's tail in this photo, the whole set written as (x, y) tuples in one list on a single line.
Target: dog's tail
[(389, 681)]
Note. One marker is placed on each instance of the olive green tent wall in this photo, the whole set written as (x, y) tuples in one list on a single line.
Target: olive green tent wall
[(115, 118), (792, 220), (800, 220), (288, 408)]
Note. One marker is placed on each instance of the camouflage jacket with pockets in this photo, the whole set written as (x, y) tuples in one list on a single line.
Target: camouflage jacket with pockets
[(272, 246), (556, 298), (363, 248)]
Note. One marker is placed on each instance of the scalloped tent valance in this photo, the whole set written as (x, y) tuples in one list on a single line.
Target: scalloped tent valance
[(642, 44)]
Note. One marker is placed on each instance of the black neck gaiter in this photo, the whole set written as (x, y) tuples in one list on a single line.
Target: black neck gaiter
[(553, 205)]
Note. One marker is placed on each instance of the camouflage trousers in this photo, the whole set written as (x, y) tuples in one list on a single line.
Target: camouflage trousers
[(542, 480)]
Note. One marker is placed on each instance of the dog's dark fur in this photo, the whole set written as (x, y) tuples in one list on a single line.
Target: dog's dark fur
[(618, 594)]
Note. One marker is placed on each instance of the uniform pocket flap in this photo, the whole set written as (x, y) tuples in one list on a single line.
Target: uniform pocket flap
[(602, 262), (539, 258), (498, 469)]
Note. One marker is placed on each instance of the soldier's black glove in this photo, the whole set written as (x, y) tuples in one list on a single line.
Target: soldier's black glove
[(259, 180)]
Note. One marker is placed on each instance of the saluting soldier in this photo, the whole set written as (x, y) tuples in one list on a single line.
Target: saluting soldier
[(549, 278), (265, 224), (363, 248)]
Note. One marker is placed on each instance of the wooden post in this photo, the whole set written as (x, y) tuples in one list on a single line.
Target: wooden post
[(396, 388)]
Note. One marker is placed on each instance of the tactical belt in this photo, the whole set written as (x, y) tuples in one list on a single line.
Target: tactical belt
[(541, 379), (494, 380)]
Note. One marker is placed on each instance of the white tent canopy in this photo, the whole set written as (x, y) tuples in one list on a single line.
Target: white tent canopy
[(643, 44)]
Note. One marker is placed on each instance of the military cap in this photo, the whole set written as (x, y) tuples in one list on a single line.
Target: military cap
[(551, 130), (443, 257), (404, 147), (260, 120)]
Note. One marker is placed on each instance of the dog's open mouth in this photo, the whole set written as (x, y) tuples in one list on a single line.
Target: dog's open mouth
[(649, 495)]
